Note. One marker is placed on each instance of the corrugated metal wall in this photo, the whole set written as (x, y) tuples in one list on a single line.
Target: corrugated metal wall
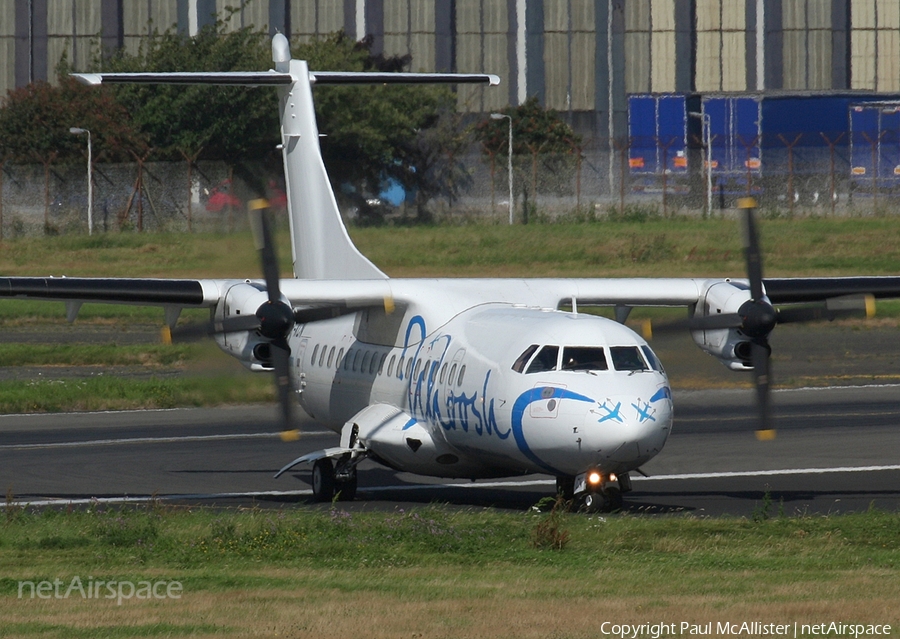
[(566, 52)]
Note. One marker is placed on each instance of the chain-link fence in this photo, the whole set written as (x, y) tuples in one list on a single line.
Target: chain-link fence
[(636, 177)]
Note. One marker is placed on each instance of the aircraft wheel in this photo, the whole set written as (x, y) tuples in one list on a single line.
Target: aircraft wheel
[(609, 501), (323, 480), (592, 502), (346, 490)]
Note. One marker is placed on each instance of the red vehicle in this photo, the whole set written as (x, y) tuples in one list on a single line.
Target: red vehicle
[(221, 196)]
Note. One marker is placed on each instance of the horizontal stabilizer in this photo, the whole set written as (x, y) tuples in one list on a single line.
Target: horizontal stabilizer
[(235, 78), (349, 77), (274, 78)]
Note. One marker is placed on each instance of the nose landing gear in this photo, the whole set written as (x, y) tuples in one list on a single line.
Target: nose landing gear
[(596, 491)]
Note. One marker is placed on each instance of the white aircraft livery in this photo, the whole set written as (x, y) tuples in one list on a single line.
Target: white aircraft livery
[(465, 378)]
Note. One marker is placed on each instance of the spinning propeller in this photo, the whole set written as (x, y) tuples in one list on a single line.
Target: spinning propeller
[(756, 318), (273, 320), (275, 317)]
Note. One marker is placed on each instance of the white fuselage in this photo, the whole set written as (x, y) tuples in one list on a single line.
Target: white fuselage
[(491, 389)]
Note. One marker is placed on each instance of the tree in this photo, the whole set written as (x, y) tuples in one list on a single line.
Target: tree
[(538, 133), (35, 122), (377, 133)]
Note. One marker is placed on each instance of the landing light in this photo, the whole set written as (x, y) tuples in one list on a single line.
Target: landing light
[(594, 477)]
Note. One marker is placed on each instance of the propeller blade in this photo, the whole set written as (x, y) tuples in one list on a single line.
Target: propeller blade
[(752, 252), (712, 322), (846, 306), (281, 353), (760, 356), (189, 332), (260, 223)]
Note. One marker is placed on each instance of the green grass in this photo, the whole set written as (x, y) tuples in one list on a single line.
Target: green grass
[(677, 246), (115, 392), (147, 355), (417, 571)]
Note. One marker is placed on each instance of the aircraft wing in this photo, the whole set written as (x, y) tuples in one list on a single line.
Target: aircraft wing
[(356, 294), (687, 291), (814, 289), (163, 292)]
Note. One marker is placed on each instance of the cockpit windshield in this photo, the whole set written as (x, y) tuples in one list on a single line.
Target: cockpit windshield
[(652, 359), (627, 358), (545, 360), (584, 358), (541, 359)]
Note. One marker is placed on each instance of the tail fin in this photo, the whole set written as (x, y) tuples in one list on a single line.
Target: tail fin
[(321, 247)]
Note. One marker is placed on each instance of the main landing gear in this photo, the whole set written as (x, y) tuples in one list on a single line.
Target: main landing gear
[(329, 482), (595, 491)]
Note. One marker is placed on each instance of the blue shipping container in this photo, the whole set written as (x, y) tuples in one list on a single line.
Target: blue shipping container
[(657, 130), (875, 145)]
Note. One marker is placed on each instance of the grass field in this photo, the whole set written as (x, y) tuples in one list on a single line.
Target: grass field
[(681, 247), (437, 572)]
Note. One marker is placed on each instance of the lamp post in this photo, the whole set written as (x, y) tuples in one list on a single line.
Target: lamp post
[(78, 131), (707, 152), (509, 167)]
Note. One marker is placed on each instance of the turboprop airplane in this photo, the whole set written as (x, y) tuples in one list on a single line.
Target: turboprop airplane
[(465, 378)]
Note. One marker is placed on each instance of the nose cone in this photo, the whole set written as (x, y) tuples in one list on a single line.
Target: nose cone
[(624, 431), (566, 431)]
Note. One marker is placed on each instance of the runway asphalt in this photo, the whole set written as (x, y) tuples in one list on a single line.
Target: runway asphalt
[(837, 450)]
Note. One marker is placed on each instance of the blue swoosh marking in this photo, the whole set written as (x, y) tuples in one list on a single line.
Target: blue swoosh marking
[(518, 412), (410, 424), (663, 393)]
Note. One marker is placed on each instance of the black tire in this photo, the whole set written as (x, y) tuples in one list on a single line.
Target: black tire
[(592, 502), (346, 490), (323, 480)]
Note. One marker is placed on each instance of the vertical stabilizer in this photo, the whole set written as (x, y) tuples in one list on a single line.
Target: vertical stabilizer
[(322, 249)]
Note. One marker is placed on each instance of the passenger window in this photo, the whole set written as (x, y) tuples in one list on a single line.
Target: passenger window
[(312, 360), (409, 364), (545, 360), (349, 359), (339, 358), (433, 373), (322, 356), (356, 361), (462, 373), (381, 363), (627, 358), (652, 359), (374, 365), (365, 362), (584, 358), (400, 367), (519, 364), (452, 374), (443, 373), (330, 357), (391, 365)]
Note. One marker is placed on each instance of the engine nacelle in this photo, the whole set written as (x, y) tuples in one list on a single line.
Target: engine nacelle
[(729, 345), (248, 347)]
